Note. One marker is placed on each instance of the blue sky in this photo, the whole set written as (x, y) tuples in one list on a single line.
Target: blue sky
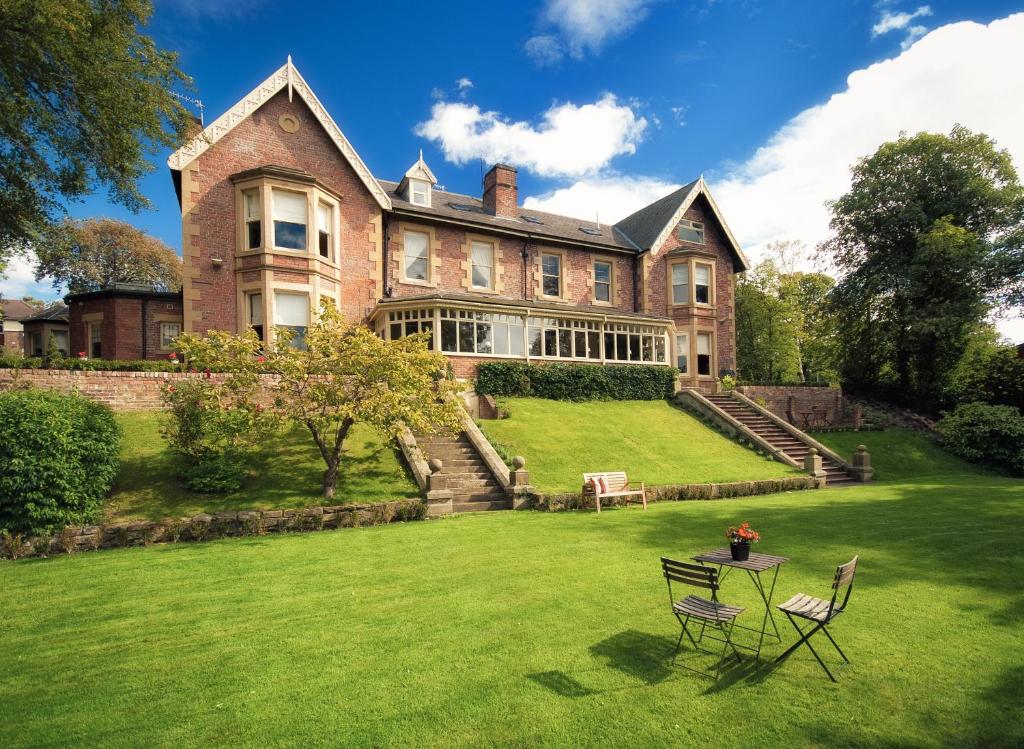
[(606, 104)]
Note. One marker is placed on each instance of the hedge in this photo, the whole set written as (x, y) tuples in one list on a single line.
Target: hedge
[(987, 435), (16, 361), (58, 459), (576, 382)]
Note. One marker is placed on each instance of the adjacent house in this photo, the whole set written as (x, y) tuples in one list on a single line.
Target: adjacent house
[(12, 333), (50, 322), (280, 214), (124, 321)]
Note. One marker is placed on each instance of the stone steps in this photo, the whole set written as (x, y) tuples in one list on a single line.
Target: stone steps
[(780, 439), (474, 488)]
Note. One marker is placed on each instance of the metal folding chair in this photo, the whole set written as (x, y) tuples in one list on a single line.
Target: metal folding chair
[(821, 612), (717, 614)]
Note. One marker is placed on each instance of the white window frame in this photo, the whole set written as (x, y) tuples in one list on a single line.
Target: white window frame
[(419, 192), (427, 258), (256, 218), (610, 283), (331, 232), (274, 191), (560, 276), (683, 349), (694, 226), (165, 343), (711, 353), (672, 285), (487, 247)]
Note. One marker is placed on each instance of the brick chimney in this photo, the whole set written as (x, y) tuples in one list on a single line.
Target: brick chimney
[(501, 196)]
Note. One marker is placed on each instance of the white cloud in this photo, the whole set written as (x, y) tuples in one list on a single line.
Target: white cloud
[(570, 140), (583, 26), (895, 21), (609, 197), (463, 84), (965, 73), (19, 279), (544, 49)]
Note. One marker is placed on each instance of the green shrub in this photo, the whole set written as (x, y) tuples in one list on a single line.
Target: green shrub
[(58, 458), (575, 382), (988, 435), (17, 361)]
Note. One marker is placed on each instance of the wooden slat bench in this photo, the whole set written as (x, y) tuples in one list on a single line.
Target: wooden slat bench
[(617, 486)]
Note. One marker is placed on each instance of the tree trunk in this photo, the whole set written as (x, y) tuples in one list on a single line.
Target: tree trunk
[(330, 479)]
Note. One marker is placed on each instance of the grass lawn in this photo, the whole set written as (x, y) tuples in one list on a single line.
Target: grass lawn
[(527, 629), (284, 475), (651, 441), (898, 453)]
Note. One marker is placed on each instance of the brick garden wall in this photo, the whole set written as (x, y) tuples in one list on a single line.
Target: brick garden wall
[(122, 391), (792, 402)]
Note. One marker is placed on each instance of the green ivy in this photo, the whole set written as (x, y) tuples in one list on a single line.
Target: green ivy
[(575, 382)]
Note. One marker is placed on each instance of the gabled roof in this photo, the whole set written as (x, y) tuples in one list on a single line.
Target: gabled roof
[(650, 226), (420, 170), (54, 312), (287, 76), (16, 310)]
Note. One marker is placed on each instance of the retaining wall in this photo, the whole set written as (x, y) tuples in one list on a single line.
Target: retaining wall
[(794, 402)]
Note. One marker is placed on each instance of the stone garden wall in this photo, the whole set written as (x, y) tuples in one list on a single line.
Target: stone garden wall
[(205, 527)]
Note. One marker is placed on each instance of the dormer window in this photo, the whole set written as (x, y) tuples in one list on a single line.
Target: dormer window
[(419, 192)]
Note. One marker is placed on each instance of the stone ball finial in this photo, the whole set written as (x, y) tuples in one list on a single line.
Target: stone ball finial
[(435, 465), (813, 451), (862, 448), (518, 462)]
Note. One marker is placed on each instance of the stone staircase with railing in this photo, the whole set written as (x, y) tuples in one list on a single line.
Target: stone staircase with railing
[(790, 441), (471, 482)]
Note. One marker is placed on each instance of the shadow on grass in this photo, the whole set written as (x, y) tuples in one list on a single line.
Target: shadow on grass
[(561, 684), (637, 654)]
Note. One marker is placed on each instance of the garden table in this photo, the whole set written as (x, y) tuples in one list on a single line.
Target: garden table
[(753, 566)]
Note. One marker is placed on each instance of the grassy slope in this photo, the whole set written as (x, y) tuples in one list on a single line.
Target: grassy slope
[(897, 453), (651, 441), (526, 629), (284, 475)]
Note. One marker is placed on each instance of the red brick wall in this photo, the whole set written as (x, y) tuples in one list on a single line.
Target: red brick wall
[(501, 193), (722, 319), (122, 391), (14, 340), (121, 331), (451, 275), (260, 141), (793, 403)]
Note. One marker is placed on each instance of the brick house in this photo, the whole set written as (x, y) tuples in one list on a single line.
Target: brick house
[(12, 332), (124, 321), (49, 322), (280, 214)]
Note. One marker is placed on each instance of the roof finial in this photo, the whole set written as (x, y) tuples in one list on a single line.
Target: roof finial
[(289, 66), (421, 154)]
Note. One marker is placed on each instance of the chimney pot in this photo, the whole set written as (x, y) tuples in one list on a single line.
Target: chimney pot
[(501, 195)]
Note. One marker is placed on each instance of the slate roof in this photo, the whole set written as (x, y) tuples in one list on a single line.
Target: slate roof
[(55, 312), (644, 226), (16, 310), (550, 226)]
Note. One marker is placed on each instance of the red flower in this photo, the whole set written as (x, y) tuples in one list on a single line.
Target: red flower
[(170, 388), (81, 354), (206, 373), (172, 357), (261, 359)]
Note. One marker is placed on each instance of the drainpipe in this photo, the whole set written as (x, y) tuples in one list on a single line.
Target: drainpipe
[(526, 265), (145, 305)]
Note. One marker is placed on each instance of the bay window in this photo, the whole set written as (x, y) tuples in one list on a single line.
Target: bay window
[(254, 313), (325, 229), (291, 311), (253, 213), (704, 354), (702, 283), (683, 353), (289, 219), (680, 283)]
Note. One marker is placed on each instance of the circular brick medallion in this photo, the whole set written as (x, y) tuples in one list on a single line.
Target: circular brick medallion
[(288, 123)]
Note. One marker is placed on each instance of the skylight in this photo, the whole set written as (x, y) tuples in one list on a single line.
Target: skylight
[(590, 231), (531, 219), (462, 207)]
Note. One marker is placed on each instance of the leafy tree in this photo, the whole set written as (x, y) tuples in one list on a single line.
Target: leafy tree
[(929, 235), (767, 326), (343, 374), (86, 98), (990, 371), (91, 254)]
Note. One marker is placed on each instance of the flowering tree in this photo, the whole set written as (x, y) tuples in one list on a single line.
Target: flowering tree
[(344, 374)]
